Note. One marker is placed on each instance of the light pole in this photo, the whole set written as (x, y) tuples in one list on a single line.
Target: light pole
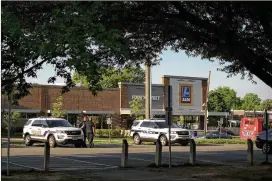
[(147, 89)]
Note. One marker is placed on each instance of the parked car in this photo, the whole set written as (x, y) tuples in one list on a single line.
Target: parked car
[(216, 135), (151, 130), (261, 142), (55, 130)]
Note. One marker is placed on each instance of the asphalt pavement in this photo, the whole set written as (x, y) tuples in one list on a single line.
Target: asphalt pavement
[(107, 157)]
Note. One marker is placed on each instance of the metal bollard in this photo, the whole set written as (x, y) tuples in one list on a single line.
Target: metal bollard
[(124, 157), (192, 152), (46, 156), (250, 151), (158, 156)]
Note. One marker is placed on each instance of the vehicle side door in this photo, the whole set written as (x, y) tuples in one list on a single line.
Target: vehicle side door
[(36, 129), (154, 131), (44, 129), (143, 130)]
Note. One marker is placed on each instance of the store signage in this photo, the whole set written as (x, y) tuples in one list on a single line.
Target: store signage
[(185, 94), (154, 98)]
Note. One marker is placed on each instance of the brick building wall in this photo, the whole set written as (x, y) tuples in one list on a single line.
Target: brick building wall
[(43, 96)]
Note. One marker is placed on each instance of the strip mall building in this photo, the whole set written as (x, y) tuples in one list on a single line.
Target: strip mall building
[(188, 97)]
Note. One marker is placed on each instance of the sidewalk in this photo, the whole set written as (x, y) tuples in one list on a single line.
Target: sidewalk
[(11, 139)]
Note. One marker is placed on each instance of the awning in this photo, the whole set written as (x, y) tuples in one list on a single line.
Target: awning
[(23, 110), (89, 112)]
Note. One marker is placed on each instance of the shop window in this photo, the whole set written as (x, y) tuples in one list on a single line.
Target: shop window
[(31, 115)]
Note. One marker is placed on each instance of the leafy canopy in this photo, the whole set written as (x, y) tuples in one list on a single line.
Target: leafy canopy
[(225, 99), (112, 76), (67, 35), (89, 36)]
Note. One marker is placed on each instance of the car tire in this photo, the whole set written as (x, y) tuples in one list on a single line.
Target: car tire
[(163, 140), (268, 149), (137, 139), (52, 141), (28, 141), (184, 144)]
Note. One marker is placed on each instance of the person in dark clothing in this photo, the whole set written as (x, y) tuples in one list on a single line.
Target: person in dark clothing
[(83, 127), (90, 131)]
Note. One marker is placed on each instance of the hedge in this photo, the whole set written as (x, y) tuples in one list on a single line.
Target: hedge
[(115, 133), (221, 141)]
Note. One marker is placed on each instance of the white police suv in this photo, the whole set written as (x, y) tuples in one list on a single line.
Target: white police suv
[(54, 130), (151, 130)]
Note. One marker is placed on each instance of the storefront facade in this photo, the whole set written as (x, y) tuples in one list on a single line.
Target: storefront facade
[(188, 96), (128, 91)]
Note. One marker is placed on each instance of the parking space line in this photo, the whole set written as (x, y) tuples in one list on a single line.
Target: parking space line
[(82, 161), (23, 165), (93, 168), (133, 158), (207, 161)]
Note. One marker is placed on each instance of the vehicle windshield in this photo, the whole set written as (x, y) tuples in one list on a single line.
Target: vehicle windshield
[(58, 123), (165, 125)]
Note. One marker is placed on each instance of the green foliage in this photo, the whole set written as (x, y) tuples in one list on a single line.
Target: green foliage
[(251, 101), (137, 108), (104, 133), (67, 35), (111, 77), (88, 37), (221, 141), (15, 118), (222, 99), (57, 108), (266, 104)]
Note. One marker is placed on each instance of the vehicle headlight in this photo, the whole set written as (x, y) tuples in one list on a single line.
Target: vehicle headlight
[(173, 132), (63, 132)]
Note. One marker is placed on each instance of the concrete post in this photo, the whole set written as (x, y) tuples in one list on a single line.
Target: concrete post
[(192, 152), (124, 157), (46, 156), (158, 156), (249, 151)]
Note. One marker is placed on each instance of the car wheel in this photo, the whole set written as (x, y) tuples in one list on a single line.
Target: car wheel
[(28, 141), (267, 148), (163, 140), (137, 139), (52, 141), (184, 144)]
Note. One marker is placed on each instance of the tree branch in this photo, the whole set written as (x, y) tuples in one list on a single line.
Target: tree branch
[(7, 81)]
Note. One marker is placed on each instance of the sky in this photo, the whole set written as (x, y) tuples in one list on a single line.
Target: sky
[(179, 64)]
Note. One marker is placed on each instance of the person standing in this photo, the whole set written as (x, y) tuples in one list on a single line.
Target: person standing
[(84, 129), (90, 129)]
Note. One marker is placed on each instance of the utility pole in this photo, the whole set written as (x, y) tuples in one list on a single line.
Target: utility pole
[(147, 89), (206, 104), (9, 118)]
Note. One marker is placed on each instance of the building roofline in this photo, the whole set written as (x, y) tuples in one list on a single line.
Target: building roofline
[(184, 77), (76, 87), (139, 84)]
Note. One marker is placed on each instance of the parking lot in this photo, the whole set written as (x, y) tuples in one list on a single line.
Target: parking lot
[(109, 156)]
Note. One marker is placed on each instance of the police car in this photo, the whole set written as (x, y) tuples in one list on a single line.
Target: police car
[(261, 142), (54, 130), (151, 130)]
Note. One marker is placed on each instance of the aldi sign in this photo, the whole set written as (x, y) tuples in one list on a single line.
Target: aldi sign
[(185, 94)]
